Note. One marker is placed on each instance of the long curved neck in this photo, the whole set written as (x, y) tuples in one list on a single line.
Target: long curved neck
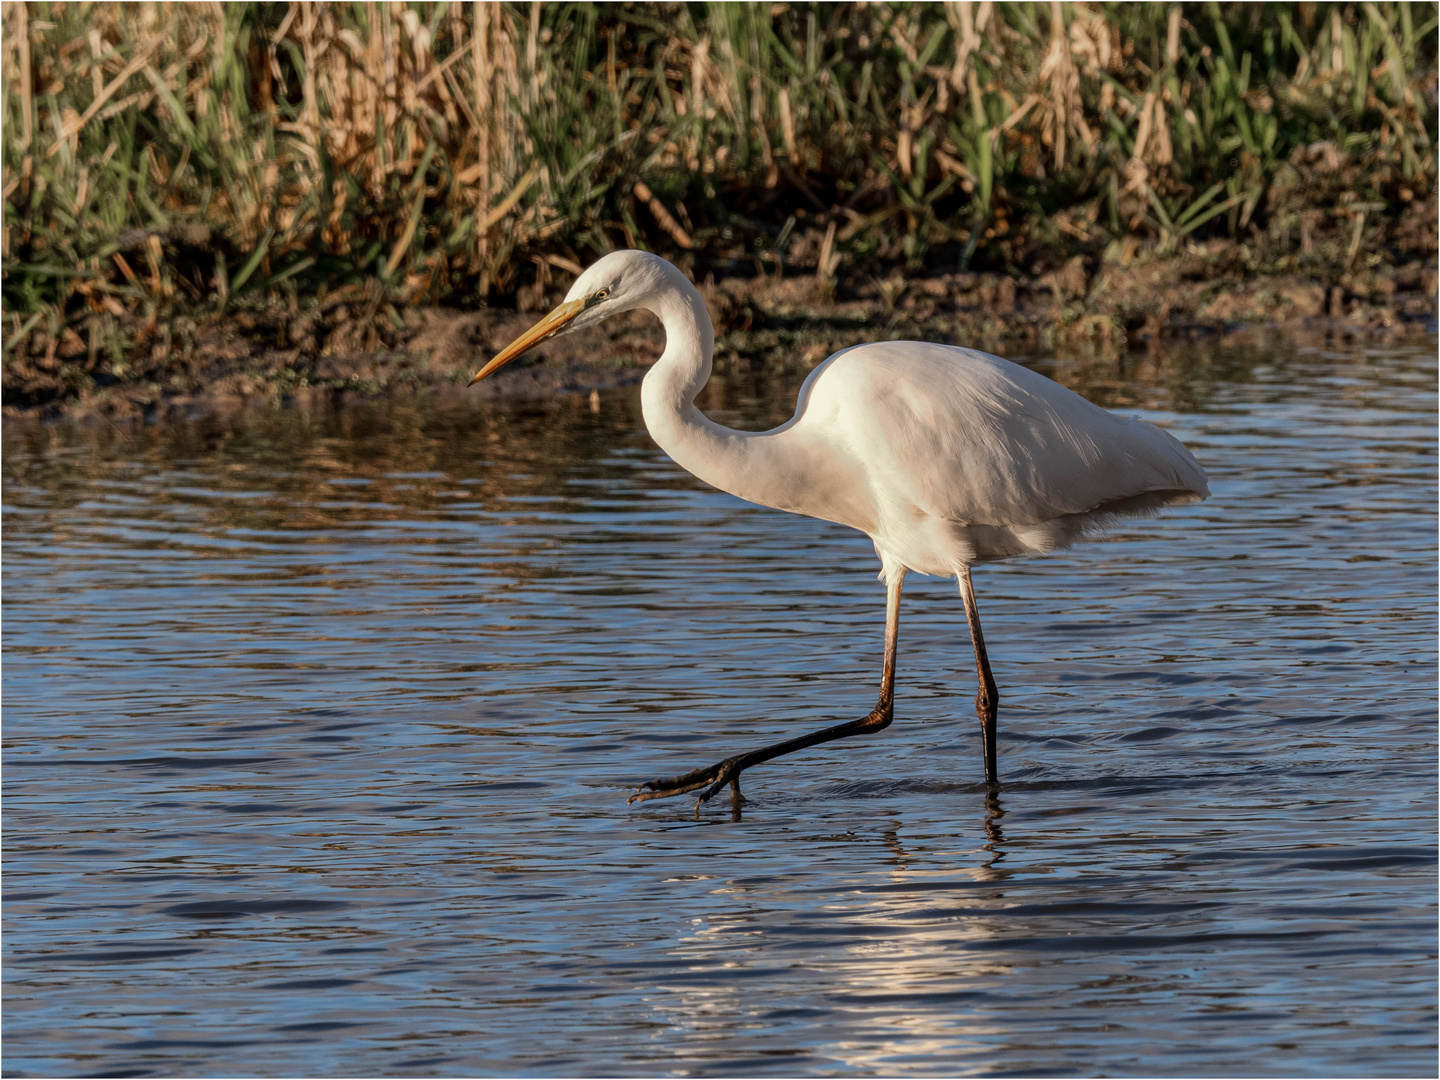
[(772, 468), (668, 394), (714, 453)]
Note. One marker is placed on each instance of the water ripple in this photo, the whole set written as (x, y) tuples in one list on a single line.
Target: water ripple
[(318, 728)]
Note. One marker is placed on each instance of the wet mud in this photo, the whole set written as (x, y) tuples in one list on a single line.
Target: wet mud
[(354, 343)]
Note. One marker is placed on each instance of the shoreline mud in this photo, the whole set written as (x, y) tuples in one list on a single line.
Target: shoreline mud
[(354, 343)]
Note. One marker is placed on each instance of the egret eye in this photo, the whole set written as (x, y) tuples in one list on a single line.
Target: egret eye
[(602, 294)]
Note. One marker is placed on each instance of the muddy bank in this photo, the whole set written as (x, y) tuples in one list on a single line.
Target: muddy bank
[(355, 343)]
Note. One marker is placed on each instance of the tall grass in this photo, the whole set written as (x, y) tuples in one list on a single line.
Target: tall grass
[(155, 152)]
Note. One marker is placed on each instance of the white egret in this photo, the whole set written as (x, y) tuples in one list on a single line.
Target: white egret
[(945, 457)]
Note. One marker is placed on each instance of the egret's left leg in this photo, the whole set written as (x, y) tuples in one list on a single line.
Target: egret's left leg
[(987, 698), (714, 777)]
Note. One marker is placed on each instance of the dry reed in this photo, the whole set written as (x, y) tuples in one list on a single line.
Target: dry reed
[(195, 152)]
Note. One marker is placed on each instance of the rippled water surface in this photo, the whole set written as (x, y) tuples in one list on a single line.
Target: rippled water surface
[(320, 726)]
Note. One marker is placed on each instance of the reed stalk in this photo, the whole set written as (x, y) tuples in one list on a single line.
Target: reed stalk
[(454, 152)]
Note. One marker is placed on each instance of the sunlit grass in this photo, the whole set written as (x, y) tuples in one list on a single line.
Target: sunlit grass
[(163, 152)]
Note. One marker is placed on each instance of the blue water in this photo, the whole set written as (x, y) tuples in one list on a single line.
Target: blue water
[(319, 727)]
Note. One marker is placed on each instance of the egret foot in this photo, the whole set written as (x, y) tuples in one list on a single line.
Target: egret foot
[(712, 778), (716, 776)]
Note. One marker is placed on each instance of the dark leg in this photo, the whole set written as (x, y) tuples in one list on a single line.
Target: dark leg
[(714, 777), (987, 700)]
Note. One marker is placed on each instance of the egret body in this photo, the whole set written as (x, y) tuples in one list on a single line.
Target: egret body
[(945, 457)]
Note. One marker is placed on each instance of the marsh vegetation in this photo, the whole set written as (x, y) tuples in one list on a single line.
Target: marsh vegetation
[(160, 157)]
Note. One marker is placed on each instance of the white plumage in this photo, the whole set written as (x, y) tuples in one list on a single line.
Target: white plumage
[(946, 457)]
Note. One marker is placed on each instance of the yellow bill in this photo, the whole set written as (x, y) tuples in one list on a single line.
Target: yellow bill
[(549, 326)]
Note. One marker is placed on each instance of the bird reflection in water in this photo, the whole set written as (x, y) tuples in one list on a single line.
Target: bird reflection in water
[(737, 800), (994, 835), (891, 836), (898, 963)]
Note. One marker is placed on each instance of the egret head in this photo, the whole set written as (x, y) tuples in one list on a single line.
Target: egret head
[(619, 282)]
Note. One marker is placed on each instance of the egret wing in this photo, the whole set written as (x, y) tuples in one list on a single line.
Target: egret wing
[(977, 439)]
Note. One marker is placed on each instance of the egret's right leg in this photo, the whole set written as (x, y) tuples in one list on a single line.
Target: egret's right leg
[(987, 699), (714, 777)]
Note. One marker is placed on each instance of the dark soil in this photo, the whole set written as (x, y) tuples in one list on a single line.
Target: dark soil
[(355, 342)]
